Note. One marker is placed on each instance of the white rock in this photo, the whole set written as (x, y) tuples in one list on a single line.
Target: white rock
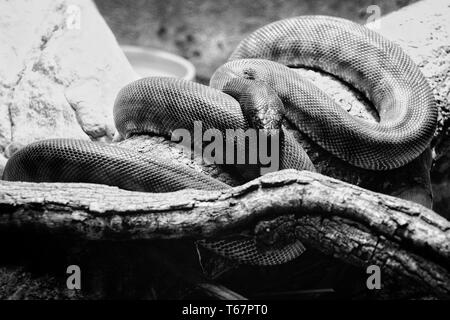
[(60, 71)]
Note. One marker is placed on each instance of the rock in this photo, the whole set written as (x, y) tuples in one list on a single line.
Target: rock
[(63, 71)]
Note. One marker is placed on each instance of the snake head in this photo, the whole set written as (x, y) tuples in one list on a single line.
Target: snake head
[(259, 103), (12, 148), (275, 234)]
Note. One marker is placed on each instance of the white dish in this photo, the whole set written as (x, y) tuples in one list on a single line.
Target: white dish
[(148, 62)]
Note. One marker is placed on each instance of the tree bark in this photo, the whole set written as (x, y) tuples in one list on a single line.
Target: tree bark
[(409, 242)]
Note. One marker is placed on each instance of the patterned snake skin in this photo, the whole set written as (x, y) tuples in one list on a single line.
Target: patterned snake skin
[(256, 88)]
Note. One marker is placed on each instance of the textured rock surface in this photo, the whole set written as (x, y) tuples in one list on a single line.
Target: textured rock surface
[(63, 71)]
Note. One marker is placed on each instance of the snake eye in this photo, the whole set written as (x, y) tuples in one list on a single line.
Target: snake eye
[(249, 73)]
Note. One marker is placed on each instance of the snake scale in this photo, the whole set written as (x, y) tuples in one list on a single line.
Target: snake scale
[(257, 82)]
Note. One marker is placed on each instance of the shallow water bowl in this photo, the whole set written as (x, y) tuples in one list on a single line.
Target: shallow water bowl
[(148, 62)]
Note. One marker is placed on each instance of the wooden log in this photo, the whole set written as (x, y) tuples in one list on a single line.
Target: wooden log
[(408, 241)]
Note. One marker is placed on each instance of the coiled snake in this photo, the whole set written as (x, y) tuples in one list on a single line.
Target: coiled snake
[(255, 82)]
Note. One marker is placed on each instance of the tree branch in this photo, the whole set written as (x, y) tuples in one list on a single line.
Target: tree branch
[(408, 241)]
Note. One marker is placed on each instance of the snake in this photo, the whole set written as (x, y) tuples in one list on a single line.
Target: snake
[(255, 88)]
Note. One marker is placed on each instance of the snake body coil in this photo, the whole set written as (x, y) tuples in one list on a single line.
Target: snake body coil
[(372, 64)]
